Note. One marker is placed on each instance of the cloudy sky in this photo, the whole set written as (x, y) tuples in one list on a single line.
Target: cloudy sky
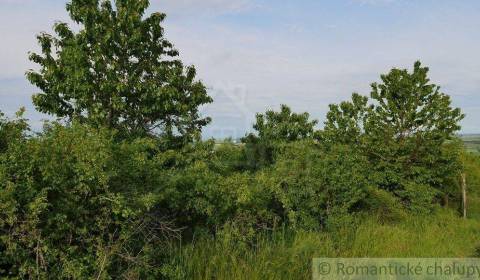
[(257, 54)]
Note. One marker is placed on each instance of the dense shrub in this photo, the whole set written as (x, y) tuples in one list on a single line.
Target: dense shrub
[(76, 204), (12, 130), (314, 184), (271, 130)]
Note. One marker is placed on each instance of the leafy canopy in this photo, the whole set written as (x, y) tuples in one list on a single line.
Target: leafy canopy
[(403, 128), (404, 106), (274, 128), (117, 71), (284, 125)]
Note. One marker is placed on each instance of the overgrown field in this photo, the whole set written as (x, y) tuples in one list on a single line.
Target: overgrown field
[(76, 202), (284, 254), (122, 186), (288, 255)]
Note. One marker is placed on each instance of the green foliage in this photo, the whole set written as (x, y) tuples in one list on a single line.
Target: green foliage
[(284, 125), (81, 201), (12, 130), (385, 207), (273, 128), (118, 71), (76, 204), (108, 197), (207, 193), (258, 153), (345, 122), (315, 186), (404, 131)]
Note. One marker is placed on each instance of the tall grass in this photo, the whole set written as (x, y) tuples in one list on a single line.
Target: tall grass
[(288, 255), (285, 254), (472, 170)]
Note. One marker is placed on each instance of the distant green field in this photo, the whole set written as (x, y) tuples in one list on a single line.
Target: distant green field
[(472, 142)]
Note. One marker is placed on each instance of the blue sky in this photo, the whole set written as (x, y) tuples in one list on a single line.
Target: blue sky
[(256, 54)]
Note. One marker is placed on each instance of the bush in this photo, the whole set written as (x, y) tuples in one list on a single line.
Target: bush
[(12, 130), (314, 184), (77, 204)]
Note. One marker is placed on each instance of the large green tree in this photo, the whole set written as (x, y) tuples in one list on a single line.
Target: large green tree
[(117, 71), (403, 128)]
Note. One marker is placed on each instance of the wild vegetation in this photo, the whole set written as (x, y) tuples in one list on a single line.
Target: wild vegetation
[(123, 187)]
